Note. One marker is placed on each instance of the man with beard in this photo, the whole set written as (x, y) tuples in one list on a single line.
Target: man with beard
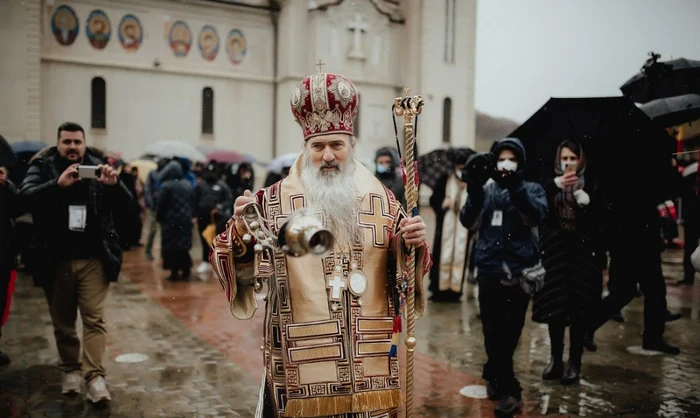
[(331, 323), (79, 251)]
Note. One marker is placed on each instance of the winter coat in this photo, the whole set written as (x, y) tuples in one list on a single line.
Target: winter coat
[(152, 187), (9, 209), (513, 244), (41, 195), (571, 258), (175, 209), (392, 180)]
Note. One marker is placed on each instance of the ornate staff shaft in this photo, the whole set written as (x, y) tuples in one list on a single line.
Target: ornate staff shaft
[(409, 107)]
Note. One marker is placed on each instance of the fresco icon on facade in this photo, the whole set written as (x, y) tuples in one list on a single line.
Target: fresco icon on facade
[(98, 29), (236, 46), (65, 25), (209, 43), (180, 38), (130, 33)]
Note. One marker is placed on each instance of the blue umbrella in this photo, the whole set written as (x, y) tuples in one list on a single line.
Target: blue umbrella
[(27, 146)]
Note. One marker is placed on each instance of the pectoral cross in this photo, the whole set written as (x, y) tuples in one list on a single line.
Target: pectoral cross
[(337, 284), (320, 65)]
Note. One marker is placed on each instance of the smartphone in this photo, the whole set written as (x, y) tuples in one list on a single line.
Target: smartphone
[(569, 166), (89, 171)]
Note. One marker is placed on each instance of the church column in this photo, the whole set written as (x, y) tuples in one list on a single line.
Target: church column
[(293, 65), (33, 124)]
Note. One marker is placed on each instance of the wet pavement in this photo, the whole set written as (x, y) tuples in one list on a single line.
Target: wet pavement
[(201, 362)]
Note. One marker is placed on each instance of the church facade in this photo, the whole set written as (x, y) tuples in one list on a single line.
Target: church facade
[(220, 73)]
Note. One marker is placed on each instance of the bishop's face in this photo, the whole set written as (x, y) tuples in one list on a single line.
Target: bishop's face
[(330, 153)]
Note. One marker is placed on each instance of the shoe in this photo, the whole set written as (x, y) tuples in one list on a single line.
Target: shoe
[(618, 317), (553, 370), (572, 374), (97, 390), (508, 406), (670, 317), (174, 277), (186, 275), (71, 383), (4, 359), (149, 257), (661, 345), (589, 343), (492, 392), (203, 268)]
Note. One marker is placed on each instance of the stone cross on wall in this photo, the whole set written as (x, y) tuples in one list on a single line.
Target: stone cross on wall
[(357, 27)]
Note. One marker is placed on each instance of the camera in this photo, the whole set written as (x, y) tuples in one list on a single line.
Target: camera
[(480, 167)]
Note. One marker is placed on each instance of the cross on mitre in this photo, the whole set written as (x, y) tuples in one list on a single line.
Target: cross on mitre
[(320, 65)]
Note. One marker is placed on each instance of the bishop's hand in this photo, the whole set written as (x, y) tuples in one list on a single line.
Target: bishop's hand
[(238, 205), (413, 230)]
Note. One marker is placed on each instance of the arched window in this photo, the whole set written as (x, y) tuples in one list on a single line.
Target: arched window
[(208, 110), (447, 120), (98, 117)]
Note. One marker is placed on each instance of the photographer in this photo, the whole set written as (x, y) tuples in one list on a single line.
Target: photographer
[(72, 206), (504, 213)]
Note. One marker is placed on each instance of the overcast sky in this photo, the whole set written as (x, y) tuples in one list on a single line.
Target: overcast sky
[(530, 50)]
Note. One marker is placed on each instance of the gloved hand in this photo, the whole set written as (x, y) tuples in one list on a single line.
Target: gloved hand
[(582, 197), (508, 179)]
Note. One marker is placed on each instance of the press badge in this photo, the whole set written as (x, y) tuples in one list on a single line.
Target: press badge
[(77, 217), (497, 219)]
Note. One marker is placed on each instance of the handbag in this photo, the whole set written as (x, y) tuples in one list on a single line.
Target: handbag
[(532, 278), (209, 233)]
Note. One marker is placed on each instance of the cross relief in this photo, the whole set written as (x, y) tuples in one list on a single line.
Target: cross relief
[(378, 219), (358, 27)]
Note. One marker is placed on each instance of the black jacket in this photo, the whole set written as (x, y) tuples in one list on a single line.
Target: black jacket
[(513, 243), (41, 195), (175, 209)]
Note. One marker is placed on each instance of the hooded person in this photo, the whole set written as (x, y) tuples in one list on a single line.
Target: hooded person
[(570, 246), (212, 201), (451, 244), (506, 214), (332, 321), (386, 164), (175, 210)]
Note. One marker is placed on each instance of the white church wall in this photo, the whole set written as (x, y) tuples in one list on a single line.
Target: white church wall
[(154, 91), (144, 106), (19, 70), (443, 77)]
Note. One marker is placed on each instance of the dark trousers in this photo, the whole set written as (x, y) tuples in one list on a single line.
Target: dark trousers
[(503, 310), (629, 270), (692, 234)]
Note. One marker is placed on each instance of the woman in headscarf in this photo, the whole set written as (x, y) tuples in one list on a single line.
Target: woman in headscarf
[(570, 245)]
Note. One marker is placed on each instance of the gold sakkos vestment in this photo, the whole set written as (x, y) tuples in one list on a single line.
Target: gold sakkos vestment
[(326, 349)]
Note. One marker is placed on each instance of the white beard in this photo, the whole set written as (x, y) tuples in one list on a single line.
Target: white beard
[(334, 195)]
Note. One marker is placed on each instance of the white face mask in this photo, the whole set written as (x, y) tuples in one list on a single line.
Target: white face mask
[(507, 165), (458, 174)]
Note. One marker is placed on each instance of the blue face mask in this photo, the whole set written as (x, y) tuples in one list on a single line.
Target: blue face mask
[(383, 169)]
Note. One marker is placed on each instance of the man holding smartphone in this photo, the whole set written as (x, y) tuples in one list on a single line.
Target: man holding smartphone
[(79, 249)]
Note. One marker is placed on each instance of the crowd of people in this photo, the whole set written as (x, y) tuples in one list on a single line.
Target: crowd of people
[(514, 239)]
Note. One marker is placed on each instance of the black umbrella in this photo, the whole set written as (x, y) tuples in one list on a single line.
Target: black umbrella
[(663, 79), (7, 157), (28, 147), (673, 111), (626, 151), (436, 164)]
